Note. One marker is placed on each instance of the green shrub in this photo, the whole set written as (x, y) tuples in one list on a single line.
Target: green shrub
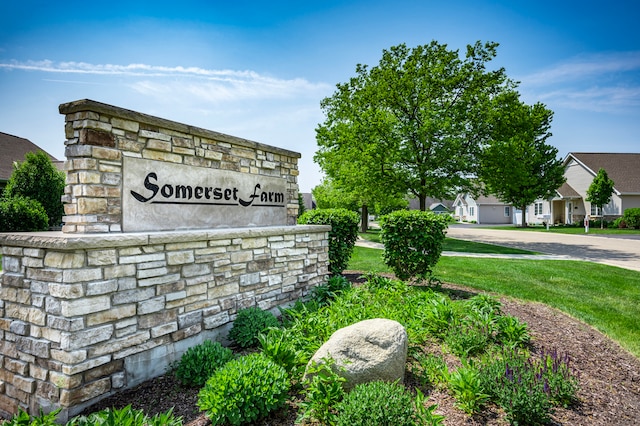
[(434, 370), (325, 293), (467, 389), (125, 416), (527, 389), (512, 332), (248, 324), (277, 344), (342, 237), (323, 393), (37, 178), (199, 362), (22, 418), (378, 403), (22, 214), (412, 242), (244, 390), (632, 217), (619, 223), (108, 417)]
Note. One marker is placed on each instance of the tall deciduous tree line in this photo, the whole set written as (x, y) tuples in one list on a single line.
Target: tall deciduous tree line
[(426, 122)]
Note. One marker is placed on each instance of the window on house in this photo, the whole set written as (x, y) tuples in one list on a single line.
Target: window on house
[(596, 211), (507, 211), (537, 209), (472, 211)]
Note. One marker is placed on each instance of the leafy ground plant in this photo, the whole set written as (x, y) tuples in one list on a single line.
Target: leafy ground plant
[(248, 324), (467, 389), (199, 362), (244, 390), (382, 403), (323, 392)]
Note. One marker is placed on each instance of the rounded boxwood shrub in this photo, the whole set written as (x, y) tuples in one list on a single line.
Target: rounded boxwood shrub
[(244, 390), (22, 214), (377, 403), (632, 217), (199, 362), (248, 324), (412, 242), (342, 237)]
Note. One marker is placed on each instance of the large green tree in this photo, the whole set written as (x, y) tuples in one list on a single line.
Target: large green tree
[(38, 179), (413, 124), (517, 165), (600, 191)]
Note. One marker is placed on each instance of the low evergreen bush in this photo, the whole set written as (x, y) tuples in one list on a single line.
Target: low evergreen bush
[(342, 237), (248, 324), (199, 362), (244, 390)]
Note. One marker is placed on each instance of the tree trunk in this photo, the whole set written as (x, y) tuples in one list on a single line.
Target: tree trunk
[(423, 202), (364, 219), (601, 218), (524, 216)]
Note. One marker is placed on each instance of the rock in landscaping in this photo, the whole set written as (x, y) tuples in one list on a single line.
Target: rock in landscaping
[(370, 350)]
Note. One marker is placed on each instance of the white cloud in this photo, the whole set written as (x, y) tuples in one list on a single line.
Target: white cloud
[(601, 83), (204, 84), (585, 67)]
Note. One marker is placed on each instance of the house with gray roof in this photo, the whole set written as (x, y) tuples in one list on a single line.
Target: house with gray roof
[(14, 148), (570, 205), (482, 209)]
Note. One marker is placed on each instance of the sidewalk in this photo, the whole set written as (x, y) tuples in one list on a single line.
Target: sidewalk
[(370, 244)]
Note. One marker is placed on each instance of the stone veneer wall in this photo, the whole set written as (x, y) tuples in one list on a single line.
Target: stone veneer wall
[(100, 135), (85, 316), (92, 310)]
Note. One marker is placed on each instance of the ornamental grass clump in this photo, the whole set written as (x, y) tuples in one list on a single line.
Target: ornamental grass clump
[(244, 390)]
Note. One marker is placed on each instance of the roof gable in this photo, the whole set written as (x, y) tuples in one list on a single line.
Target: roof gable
[(622, 168), (12, 149)]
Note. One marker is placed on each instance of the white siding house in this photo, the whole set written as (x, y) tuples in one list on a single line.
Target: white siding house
[(482, 209)]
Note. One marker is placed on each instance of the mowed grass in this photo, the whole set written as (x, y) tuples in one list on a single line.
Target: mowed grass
[(605, 297)]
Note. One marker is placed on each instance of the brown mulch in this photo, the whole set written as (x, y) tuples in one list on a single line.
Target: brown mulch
[(609, 377)]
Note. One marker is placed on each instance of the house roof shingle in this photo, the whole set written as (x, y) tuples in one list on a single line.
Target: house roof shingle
[(622, 168), (14, 148), (566, 191)]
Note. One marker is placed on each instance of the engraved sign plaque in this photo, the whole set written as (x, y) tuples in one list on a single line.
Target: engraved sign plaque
[(159, 196)]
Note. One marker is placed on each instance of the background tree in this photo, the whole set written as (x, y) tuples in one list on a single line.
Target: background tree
[(518, 166), (414, 123), (330, 196), (38, 179), (600, 191)]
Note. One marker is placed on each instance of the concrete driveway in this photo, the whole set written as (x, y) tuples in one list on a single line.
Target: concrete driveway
[(616, 250)]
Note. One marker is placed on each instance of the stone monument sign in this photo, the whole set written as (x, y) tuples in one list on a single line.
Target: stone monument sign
[(169, 230)]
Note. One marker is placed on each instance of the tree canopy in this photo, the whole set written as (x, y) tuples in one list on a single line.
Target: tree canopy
[(600, 191), (413, 124), (517, 165)]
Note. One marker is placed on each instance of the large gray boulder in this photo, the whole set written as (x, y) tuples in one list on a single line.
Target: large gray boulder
[(367, 351)]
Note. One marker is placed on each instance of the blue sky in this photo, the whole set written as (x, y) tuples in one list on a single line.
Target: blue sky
[(258, 70)]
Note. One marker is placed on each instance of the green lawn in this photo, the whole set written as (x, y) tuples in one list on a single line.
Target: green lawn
[(603, 296)]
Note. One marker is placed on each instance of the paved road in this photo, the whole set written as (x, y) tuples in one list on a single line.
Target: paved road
[(622, 251)]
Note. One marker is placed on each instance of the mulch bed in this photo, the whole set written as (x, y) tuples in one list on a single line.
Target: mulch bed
[(609, 377)]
